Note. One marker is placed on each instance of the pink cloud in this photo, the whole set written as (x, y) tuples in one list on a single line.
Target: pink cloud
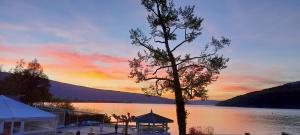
[(109, 59), (7, 26), (64, 59), (68, 54), (247, 79), (8, 49)]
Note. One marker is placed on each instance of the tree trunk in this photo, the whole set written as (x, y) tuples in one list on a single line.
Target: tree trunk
[(180, 105), (181, 114), (126, 128)]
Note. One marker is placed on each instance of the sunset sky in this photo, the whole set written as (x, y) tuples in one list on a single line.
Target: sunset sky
[(87, 42)]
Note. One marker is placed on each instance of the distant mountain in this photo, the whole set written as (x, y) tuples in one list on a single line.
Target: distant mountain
[(85, 94), (284, 96), (80, 93)]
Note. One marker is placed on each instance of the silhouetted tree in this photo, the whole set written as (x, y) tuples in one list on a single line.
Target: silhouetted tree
[(29, 82), (1, 70), (1, 80), (126, 119), (185, 75)]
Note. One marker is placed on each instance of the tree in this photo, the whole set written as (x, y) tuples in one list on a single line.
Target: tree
[(29, 82), (1, 70), (1, 79), (124, 118), (162, 65)]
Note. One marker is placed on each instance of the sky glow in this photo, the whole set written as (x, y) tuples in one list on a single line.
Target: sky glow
[(87, 42)]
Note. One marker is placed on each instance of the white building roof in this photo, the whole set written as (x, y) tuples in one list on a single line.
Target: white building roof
[(13, 110)]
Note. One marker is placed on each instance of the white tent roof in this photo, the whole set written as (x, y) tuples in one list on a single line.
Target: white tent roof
[(13, 110)]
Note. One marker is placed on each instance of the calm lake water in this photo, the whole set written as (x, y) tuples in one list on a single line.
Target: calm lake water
[(224, 120)]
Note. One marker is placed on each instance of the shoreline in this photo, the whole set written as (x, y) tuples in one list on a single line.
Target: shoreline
[(214, 105)]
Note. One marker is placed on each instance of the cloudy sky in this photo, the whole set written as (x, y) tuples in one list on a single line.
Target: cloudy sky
[(87, 42)]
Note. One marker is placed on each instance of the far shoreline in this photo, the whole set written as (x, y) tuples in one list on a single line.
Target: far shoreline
[(215, 105), (135, 102)]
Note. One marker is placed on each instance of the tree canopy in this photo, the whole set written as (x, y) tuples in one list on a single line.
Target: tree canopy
[(27, 81)]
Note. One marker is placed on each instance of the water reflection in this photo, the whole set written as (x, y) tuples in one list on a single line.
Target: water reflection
[(225, 120)]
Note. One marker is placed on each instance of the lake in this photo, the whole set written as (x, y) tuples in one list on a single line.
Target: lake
[(224, 120)]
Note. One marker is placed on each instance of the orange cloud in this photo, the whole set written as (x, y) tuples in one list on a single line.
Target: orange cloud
[(85, 65), (132, 89), (233, 88), (6, 61)]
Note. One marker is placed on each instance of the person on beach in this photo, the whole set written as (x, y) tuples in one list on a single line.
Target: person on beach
[(78, 132)]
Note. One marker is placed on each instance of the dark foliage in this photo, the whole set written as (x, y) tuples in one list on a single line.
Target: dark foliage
[(201, 131), (56, 103), (285, 96), (126, 119), (27, 81), (72, 118)]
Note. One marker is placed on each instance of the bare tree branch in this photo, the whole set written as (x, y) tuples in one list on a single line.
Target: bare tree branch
[(157, 78), (151, 49), (160, 69), (184, 41), (192, 65), (153, 12), (198, 57), (157, 41), (175, 29)]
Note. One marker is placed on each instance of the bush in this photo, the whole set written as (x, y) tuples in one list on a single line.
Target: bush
[(72, 118), (201, 131)]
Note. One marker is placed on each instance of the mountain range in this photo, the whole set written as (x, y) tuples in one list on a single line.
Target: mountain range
[(86, 94), (284, 96)]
